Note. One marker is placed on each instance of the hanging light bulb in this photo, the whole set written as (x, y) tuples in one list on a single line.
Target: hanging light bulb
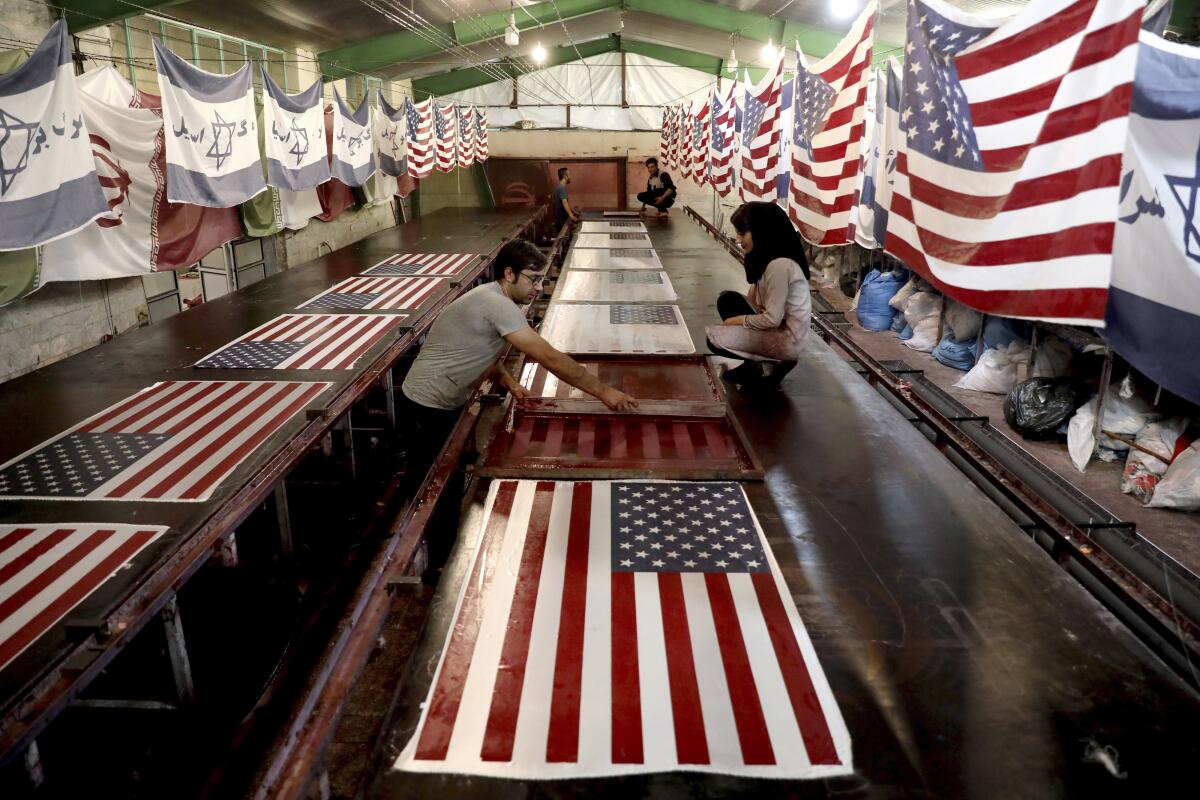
[(843, 8), (768, 51), (512, 36), (732, 63), (539, 53)]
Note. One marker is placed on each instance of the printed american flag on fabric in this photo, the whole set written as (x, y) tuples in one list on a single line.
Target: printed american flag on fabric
[(466, 137), (481, 135), (440, 265), (699, 135), (46, 570), (828, 125), (760, 135), (379, 293), (1006, 195), (664, 140), (176, 440), (676, 121), (683, 136), (445, 135), (304, 341), (611, 628), (721, 149), (419, 118)]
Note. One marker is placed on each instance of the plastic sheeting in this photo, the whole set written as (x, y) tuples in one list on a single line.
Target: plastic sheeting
[(593, 87)]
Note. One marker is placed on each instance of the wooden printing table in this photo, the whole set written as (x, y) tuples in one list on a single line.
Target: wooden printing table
[(43, 680)]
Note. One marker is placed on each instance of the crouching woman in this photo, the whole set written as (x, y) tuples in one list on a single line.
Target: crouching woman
[(765, 327)]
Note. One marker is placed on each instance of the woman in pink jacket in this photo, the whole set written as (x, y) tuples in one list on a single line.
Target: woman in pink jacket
[(766, 326)]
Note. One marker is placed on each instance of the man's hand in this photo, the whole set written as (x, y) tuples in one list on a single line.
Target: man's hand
[(616, 400)]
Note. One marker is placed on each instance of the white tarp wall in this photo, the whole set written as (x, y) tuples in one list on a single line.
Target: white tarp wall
[(593, 88)]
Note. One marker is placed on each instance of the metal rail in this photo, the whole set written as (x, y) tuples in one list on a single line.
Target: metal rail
[(87, 658), (1072, 546)]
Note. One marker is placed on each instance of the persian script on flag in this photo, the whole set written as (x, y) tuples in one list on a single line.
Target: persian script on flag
[(610, 628)]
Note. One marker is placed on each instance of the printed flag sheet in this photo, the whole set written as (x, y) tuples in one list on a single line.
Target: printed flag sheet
[(618, 328), (434, 265), (616, 628), (46, 570), (630, 286), (295, 139), (616, 258), (369, 293), (418, 135), (176, 441), (611, 240), (305, 341)]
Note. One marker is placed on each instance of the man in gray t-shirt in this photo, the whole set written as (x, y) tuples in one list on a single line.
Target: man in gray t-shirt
[(559, 201)]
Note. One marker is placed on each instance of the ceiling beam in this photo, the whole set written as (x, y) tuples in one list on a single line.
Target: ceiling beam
[(458, 80), (84, 14), (673, 55)]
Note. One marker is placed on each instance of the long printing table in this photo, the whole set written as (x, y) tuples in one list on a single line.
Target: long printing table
[(283, 391)]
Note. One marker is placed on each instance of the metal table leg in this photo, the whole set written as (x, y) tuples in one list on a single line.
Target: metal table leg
[(181, 666)]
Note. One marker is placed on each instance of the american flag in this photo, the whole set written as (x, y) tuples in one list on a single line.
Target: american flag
[(721, 143), (441, 265), (466, 137), (699, 133), (445, 135), (420, 150), (828, 125), (304, 341), (760, 135), (176, 440), (1006, 195), (614, 628), (673, 134), (664, 142), (683, 136), (379, 293), (481, 135), (47, 570)]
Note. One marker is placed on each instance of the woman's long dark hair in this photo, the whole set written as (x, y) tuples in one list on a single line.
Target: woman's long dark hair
[(774, 237)]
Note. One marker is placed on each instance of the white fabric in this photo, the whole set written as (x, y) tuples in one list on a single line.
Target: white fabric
[(298, 208), (997, 369), (353, 144), (108, 86), (1180, 487)]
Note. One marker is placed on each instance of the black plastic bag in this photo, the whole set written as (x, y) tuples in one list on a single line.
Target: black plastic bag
[(1038, 407)]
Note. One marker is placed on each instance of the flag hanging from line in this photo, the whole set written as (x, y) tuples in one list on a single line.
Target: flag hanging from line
[(879, 167), (439, 265), (664, 139), (610, 628), (466, 137), (760, 134), (174, 441), (378, 293), (47, 570), (699, 135), (683, 136), (294, 139), (1006, 192), (390, 142), (827, 130), (673, 137), (48, 182), (304, 341), (1153, 315), (445, 130), (212, 136), (353, 142), (721, 143), (418, 136), (481, 135)]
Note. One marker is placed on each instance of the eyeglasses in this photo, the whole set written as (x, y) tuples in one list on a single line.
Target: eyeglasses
[(536, 280)]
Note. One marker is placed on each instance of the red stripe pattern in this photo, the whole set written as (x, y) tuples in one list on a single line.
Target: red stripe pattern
[(387, 294), (760, 135), (419, 136), (445, 137), (721, 145), (434, 265), (305, 341)]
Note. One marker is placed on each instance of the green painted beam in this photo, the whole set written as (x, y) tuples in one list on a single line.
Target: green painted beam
[(1185, 17), (459, 80), (84, 14), (390, 48), (674, 55), (758, 27)]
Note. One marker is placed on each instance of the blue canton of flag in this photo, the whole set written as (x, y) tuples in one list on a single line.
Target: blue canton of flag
[(752, 117), (464, 127), (718, 139), (812, 102), (698, 134), (684, 527), (414, 120), (439, 123), (936, 118)]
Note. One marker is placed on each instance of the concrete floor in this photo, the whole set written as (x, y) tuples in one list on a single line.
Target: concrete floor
[(1173, 532)]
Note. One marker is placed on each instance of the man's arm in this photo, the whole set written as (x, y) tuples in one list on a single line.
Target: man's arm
[(571, 212), (668, 188), (506, 379), (569, 370)]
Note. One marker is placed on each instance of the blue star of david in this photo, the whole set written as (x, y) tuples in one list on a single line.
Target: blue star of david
[(215, 150), (300, 148), (1186, 190), (10, 127)]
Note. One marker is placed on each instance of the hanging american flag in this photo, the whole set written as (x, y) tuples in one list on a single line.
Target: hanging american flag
[(379, 293), (721, 144), (481, 135), (420, 149), (760, 135), (1006, 195), (614, 628), (46, 570), (176, 440), (700, 131), (827, 132), (441, 265), (445, 134), (664, 142), (304, 341), (466, 137), (683, 136)]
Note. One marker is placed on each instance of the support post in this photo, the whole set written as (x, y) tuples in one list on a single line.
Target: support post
[(1105, 377), (181, 666), (389, 391), (284, 516), (513, 104), (568, 115), (624, 97)]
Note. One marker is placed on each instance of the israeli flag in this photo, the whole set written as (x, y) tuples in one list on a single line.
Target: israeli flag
[(297, 156), (353, 144), (211, 131), (390, 139), (48, 182), (1153, 315), (879, 173)]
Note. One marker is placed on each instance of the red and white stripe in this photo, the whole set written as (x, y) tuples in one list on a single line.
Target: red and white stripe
[(445, 155), (721, 159), (683, 141), (673, 136), (760, 148), (394, 293), (420, 145), (700, 150), (444, 265), (466, 144), (822, 189), (1031, 235), (332, 341), (481, 135), (557, 667), (664, 141), (47, 570)]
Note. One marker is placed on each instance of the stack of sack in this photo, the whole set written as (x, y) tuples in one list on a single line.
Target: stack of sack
[(957, 348), (1124, 412)]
